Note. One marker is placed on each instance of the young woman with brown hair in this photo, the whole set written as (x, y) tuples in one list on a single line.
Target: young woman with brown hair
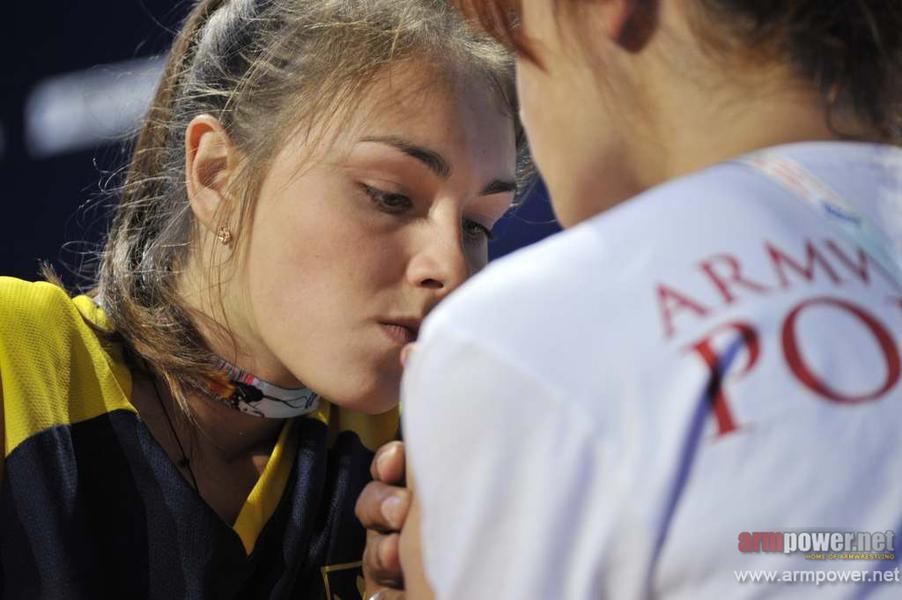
[(313, 176), (712, 350)]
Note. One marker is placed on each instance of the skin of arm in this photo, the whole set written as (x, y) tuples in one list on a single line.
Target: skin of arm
[(417, 585)]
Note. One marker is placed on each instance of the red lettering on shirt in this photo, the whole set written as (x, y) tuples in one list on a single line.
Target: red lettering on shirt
[(860, 269), (781, 260), (809, 379), (719, 364), (671, 302), (733, 277)]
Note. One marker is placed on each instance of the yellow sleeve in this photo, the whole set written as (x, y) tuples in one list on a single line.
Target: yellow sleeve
[(53, 368)]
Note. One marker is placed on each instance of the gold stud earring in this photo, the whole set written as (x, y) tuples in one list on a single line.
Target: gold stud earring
[(224, 236)]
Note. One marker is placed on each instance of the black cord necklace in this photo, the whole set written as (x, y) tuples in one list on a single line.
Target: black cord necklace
[(183, 462)]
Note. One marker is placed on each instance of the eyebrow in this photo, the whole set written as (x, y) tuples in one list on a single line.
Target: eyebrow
[(436, 162), (432, 159)]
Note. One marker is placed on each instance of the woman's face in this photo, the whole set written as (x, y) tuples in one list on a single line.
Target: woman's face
[(348, 254)]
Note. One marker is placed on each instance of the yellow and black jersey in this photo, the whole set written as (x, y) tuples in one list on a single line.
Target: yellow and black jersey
[(92, 507)]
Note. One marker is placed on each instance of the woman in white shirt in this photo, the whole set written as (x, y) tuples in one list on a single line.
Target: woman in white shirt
[(712, 351)]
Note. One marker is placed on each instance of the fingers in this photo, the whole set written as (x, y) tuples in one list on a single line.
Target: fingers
[(382, 507), (388, 464), (381, 560)]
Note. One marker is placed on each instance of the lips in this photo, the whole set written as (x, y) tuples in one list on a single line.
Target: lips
[(401, 331)]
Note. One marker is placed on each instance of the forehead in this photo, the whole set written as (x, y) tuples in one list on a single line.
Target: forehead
[(451, 111), (457, 115)]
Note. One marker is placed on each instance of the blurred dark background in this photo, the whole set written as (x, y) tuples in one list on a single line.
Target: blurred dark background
[(77, 79)]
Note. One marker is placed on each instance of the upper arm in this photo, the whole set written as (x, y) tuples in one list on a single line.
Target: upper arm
[(505, 476)]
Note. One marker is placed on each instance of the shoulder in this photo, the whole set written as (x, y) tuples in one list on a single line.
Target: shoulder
[(569, 270), (590, 290), (520, 283), (26, 303), (563, 267), (40, 319), (54, 369)]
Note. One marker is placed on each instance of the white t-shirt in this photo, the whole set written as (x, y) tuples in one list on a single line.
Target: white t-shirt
[(571, 437)]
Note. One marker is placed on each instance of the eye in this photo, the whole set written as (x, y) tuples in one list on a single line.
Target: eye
[(388, 201), (477, 231)]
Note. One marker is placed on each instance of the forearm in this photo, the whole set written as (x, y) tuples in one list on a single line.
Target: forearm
[(415, 582)]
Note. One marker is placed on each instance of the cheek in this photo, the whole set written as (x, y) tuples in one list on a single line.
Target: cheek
[(527, 95), (316, 288), (314, 232), (288, 250), (294, 261), (320, 264), (543, 110)]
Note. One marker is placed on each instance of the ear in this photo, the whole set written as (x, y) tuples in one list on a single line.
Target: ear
[(210, 162), (627, 22)]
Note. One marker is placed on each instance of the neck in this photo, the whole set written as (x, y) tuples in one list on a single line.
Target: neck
[(215, 432), (232, 434), (719, 106), (701, 133), (678, 121), (683, 134)]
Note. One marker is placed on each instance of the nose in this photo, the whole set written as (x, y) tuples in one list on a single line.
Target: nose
[(440, 262)]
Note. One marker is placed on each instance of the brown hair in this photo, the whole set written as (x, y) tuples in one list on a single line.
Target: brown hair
[(849, 50), (501, 20), (266, 69)]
